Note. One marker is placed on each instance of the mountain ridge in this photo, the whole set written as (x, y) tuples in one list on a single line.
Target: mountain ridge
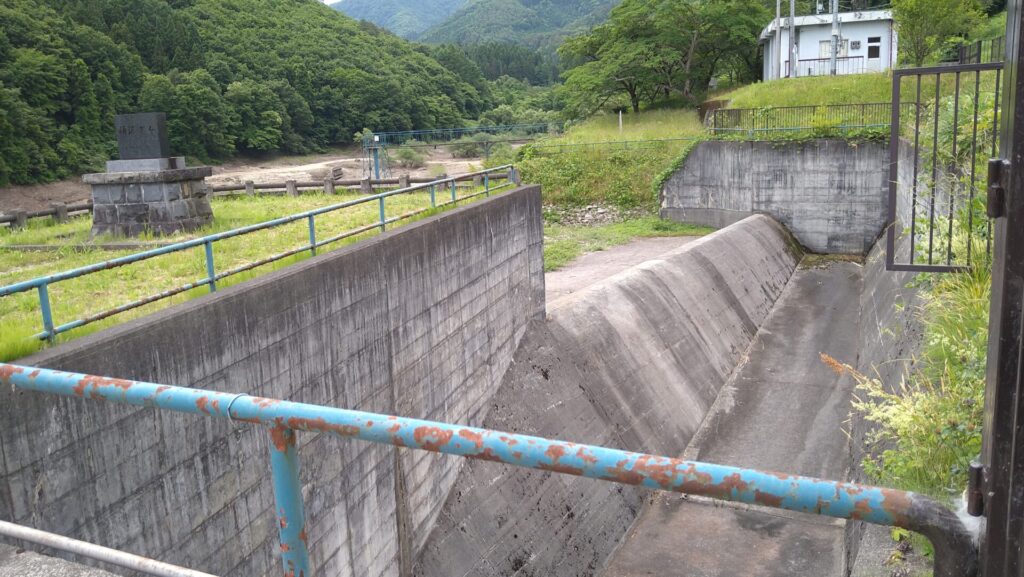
[(535, 23), (405, 18)]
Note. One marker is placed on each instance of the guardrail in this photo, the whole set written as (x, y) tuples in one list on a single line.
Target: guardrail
[(841, 117), (823, 66), (955, 552), (623, 144), (41, 284)]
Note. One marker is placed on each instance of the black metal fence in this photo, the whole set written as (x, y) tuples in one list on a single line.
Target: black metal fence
[(939, 152), (823, 66), (821, 118), (983, 51)]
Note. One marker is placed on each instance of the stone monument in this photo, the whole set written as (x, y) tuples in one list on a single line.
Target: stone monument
[(148, 189)]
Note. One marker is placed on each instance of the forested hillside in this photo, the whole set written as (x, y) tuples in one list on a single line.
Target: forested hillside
[(534, 23), (406, 18), (233, 75)]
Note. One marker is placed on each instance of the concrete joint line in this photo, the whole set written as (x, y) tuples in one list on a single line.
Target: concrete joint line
[(778, 513)]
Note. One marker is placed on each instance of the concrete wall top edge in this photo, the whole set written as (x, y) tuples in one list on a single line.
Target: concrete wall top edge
[(52, 356)]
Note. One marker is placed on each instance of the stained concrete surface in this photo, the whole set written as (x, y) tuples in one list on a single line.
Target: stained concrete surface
[(831, 194), (632, 362), (16, 562), (783, 411), (597, 266)]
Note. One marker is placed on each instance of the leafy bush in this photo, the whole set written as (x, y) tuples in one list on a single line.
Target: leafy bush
[(406, 157)]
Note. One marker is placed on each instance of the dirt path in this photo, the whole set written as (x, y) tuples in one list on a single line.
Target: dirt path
[(597, 266), (272, 170)]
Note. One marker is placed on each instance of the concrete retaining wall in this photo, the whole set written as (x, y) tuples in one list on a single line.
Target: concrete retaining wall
[(890, 338), (633, 363), (422, 321), (831, 194)]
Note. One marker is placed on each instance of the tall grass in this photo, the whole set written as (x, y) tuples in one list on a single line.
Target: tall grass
[(813, 90), (929, 426), (616, 174)]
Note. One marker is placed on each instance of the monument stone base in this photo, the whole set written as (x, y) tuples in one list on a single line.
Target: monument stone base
[(143, 196)]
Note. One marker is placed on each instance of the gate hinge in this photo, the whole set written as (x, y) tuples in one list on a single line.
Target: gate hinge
[(976, 488), (998, 177)]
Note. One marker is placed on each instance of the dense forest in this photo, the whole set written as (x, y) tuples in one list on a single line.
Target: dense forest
[(251, 76)]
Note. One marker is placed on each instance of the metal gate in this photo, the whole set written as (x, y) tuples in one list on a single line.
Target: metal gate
[(943, 131), (999, 481)]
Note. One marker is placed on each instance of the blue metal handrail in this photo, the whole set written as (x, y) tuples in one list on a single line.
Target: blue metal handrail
[(955, 552), (41, 284)]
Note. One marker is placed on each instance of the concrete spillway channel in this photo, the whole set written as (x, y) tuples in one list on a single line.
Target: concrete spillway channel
[(710, 350)]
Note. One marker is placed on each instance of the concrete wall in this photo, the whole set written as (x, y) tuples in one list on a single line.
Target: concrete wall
[(890, 338), (422, 321), (831, 194), (633, 363)]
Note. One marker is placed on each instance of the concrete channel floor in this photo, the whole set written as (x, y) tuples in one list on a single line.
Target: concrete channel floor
[(16, 562), (783, 411), (594, 267)]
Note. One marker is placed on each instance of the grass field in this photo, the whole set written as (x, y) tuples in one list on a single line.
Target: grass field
[(615, 174), (852, 89), (94, 293), (647, 125)]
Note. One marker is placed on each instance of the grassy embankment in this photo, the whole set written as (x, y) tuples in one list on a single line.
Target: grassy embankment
[(623, 174)]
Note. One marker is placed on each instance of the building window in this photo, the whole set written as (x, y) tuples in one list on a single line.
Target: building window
[(875, 47)]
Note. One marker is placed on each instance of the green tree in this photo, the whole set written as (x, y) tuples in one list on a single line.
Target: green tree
[(924, 25), (260, 114)]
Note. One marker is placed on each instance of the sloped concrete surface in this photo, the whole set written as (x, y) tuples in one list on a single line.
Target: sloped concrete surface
[(783, 411), (15, 562), (633, 362)]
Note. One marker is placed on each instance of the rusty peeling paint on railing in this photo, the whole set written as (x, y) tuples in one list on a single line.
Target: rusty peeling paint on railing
[(955, 554)]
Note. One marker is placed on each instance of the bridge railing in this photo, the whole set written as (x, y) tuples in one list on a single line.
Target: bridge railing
[(955, 552), (442, 192)]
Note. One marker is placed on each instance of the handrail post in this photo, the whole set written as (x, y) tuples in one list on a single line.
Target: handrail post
[(210, 272), (312, 235), (487, 184), (383, 218), (291, 518), (44, 309), (453, 190), (433, 196)]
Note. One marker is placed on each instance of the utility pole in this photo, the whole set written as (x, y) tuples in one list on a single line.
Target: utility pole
[(835, 37), (777, 45), (792, 39)]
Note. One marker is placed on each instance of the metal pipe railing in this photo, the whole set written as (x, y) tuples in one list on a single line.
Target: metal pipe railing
[(955, 553), (105, 554), (41, 284)]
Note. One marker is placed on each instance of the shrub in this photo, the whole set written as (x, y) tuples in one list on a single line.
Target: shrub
[(406, 157)]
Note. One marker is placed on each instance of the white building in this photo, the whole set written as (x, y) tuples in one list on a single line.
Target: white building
[(867, 44)]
